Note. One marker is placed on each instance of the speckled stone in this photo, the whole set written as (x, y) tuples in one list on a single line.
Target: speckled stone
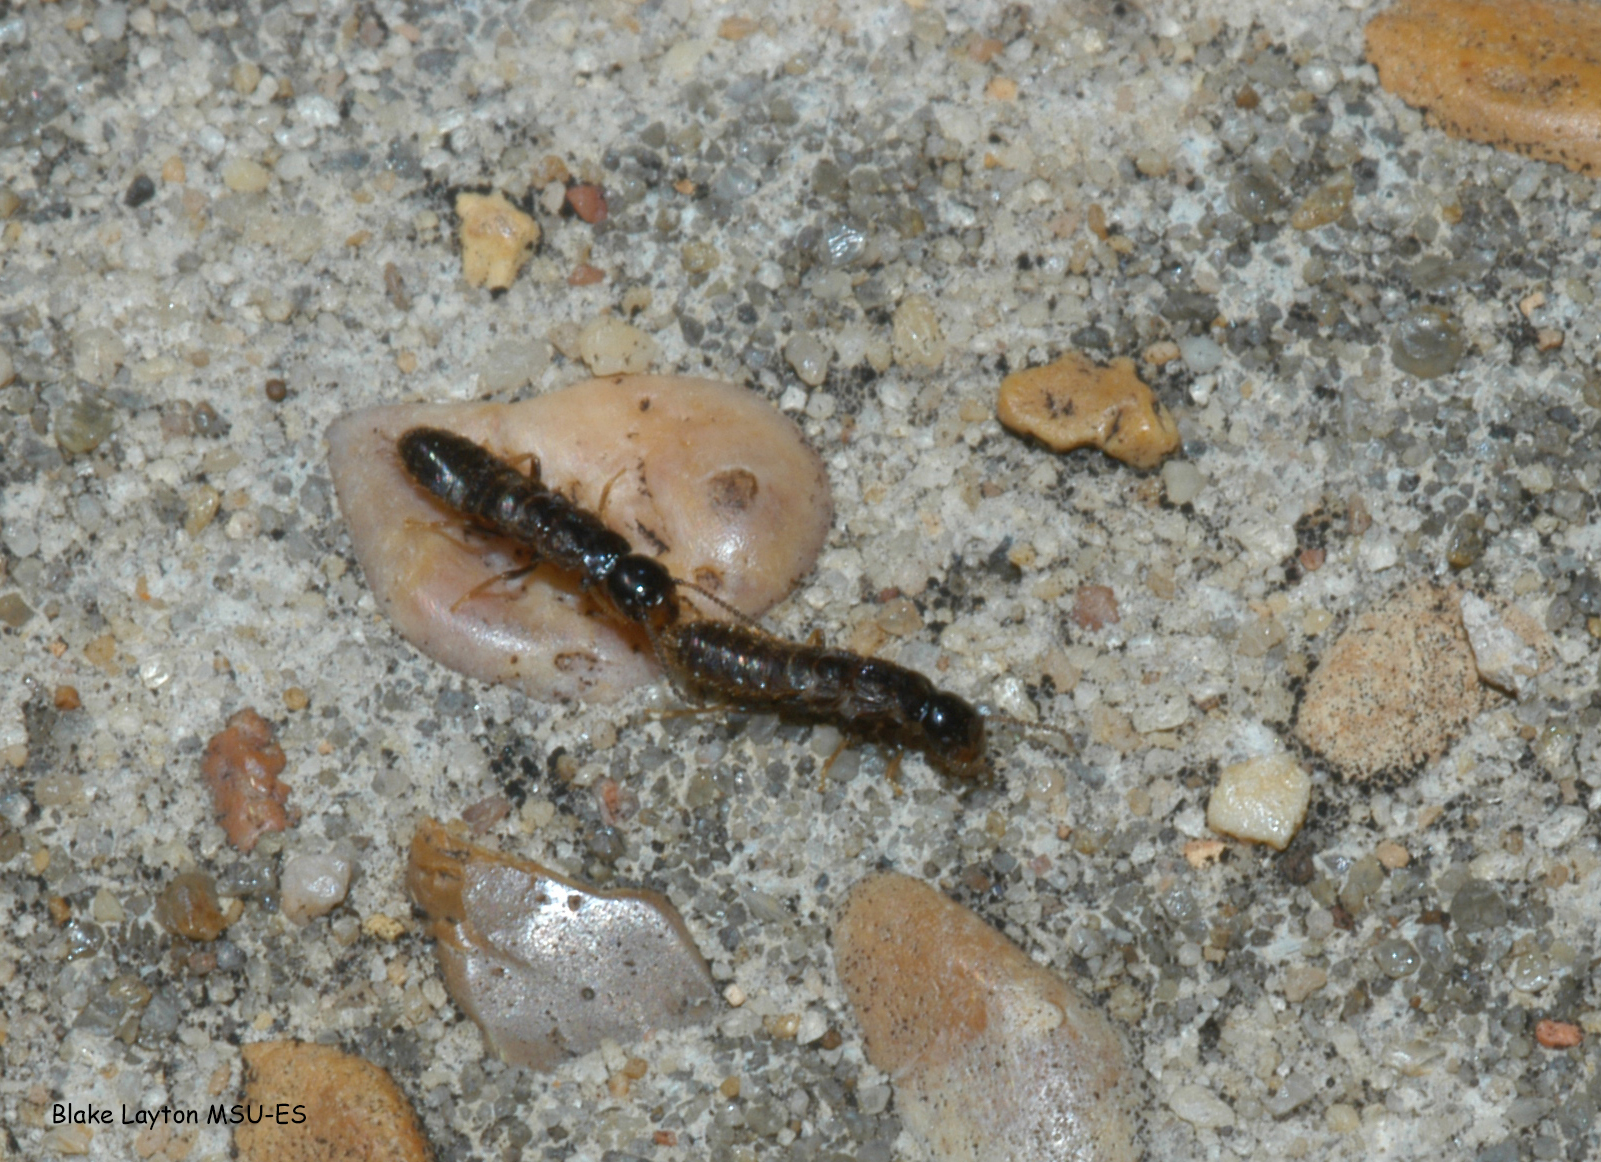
[(1073, 403), (351, 1111), (993, 1057), (1524, 77), (1396, 688)]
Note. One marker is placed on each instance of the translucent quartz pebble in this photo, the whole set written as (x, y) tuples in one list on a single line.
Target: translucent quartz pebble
[(993, 1057), (707, 476), (548, 967)]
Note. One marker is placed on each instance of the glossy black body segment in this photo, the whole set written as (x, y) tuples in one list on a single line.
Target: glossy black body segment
[(475, 483), (869, 699)]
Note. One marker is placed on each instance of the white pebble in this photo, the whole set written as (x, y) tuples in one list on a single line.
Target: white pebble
[(1182, 480), (210, 139), (313, 885), (812, 1027), (111, 21), (1201, 354), (1263, 800), (809, 356), (1378, 554), (316, 110), (1200, 1107)]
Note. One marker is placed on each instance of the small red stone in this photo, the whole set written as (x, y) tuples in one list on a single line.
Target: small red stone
[(588, 202), (585, 275), (1095, 607), (1557, 1034)]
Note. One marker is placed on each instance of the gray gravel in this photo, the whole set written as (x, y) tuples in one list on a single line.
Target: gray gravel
[(171, 550)]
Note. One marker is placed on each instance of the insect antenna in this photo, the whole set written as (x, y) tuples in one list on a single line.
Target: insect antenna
[(738, 615), (1060, 739)]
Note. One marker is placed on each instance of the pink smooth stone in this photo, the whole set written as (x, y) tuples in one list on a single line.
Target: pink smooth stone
[(706, 476)]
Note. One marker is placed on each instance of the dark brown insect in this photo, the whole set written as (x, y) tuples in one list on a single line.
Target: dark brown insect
[(867, 699), (737, 664), (476, 484)]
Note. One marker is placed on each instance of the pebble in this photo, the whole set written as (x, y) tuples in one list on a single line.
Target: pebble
[(1522, 77), (241, 766), (1263, 800), (1327, 203), (609, 346), (1182, 481), (1557, 1034), (1073, 402), (1504, 644), (1478, 907), (915, 335), (97, 352), (1095, 608), (243, 176), (549, 967), (1396, 688), (1201, 1107), (313, 885), (188, 907), (722, 479), (352, 1109), (808, 356), (1302, 981), (1428, 343), (588, 202), (1201, 354), (993, 1057), (496, 239)]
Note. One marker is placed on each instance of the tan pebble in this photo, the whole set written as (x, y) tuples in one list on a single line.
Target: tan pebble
[(496, 239), (1263, 800), (172, 171), (737, 27), (1302, 981), (383, 927), (1396, 688), (706, 475), (1073, 403), (1392, 855), (993, 1057), (1001, 89), (546, 966), (1163, 353), (1524, 77), (1198, 853), (352, 1109), (610, 346), (1327, 203), (243, 176), (915, 335)]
